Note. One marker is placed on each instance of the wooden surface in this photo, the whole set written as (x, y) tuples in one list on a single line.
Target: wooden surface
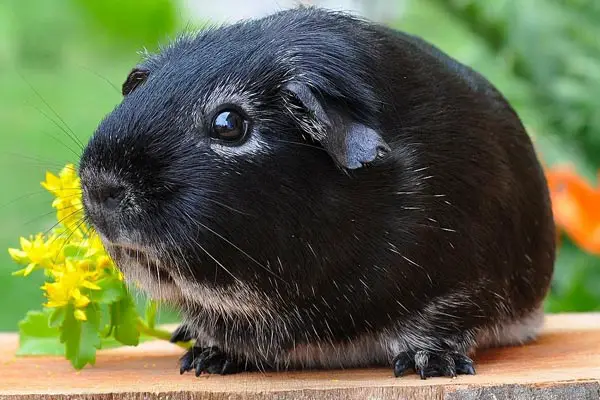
[(564, 363)]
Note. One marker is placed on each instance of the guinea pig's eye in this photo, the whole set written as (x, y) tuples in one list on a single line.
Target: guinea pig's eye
[(229, 126)]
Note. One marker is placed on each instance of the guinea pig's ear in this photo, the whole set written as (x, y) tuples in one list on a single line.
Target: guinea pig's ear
[(351, 144), (136, 77)]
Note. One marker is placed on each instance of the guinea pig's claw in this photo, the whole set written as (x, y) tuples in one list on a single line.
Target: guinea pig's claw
[(209, 360), (402, 363), (187, 360), (465, 366), (431, 364)]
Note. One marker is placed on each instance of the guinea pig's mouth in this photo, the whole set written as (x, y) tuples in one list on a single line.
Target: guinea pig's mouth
[(129, 257)]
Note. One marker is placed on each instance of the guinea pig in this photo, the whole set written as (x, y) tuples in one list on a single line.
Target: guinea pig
[(313, 190)]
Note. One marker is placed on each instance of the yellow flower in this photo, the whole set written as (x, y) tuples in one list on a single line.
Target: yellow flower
[(94, 245), (80, 315), (73, 255), (75, 276), (66, 187), (69, 212), (37, 253), (66, 181)]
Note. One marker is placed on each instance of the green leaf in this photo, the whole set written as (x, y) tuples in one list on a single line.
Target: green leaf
[(151, 310), (36, 337), (81, 338), (124, 318), (112, 289), (57, 317)]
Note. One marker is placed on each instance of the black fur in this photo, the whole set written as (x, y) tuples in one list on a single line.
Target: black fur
[(447, 231)]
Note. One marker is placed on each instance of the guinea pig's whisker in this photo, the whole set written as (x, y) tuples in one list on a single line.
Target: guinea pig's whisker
[(217, 261), (105, 79), (39, 217), (57, 222), (77, 155), (24, 197), (173, 244), (160, 293), (33, 194), (241, 251), (42, 162), (65, 127), (227, 207), (73, 195), (69, 237)]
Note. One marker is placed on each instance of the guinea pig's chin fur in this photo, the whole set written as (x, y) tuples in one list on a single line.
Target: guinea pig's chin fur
[(142, 270)]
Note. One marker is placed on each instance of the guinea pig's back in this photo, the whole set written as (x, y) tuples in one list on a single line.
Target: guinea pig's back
[(478, 175)]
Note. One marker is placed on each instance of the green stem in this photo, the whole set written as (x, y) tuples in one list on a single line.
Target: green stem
[(159, 334)]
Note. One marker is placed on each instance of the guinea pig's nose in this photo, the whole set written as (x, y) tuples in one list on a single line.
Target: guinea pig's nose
[(108, 197)]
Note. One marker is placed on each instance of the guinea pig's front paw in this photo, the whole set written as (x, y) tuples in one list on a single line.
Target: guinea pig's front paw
[(429, 364), (210, 360)]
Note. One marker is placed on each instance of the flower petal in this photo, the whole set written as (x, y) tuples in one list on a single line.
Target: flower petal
[(55, 304), (90, 285), (17, 254), (82, 301), (80, 315), (25, 244), (20, 272), (29, 269)]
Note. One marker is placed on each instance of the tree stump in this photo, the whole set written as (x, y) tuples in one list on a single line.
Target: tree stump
[(564, 363)]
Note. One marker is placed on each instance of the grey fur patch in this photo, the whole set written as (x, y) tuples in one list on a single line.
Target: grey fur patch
[(367, 350), (509, 333), (235, 299), (144, 272)]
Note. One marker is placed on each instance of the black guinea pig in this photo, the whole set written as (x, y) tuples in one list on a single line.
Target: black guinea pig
[(313, 190)]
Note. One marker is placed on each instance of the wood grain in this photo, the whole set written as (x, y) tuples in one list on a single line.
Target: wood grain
[(564, 363)]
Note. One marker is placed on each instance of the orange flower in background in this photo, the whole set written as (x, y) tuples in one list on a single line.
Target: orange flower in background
[(576, 207)]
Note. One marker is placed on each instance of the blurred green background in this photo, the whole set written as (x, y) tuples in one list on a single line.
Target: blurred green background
[(543, 54)]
